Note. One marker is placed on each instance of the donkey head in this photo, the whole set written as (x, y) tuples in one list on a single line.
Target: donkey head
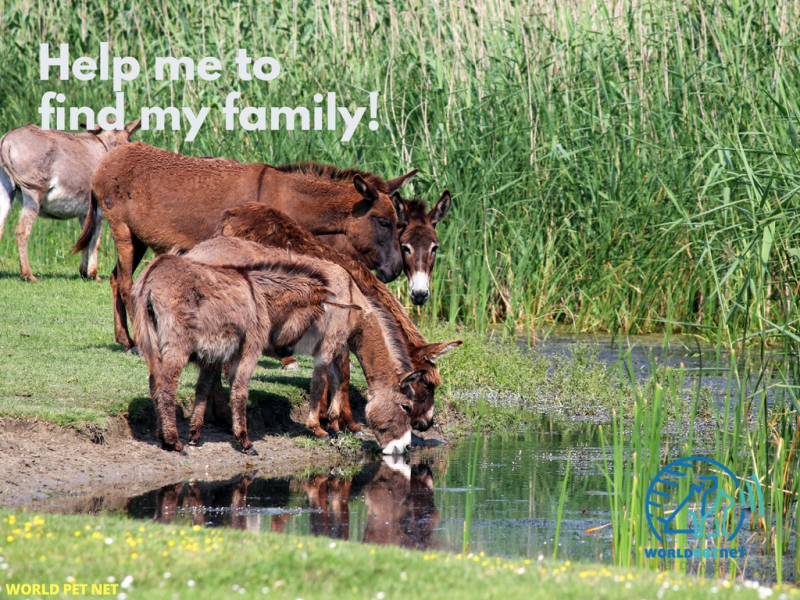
[(373, 231), (420, 243), (115, 137), (423, 391), (389, 412)]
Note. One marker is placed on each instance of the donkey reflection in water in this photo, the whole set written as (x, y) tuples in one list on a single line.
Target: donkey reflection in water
[(401, 507)]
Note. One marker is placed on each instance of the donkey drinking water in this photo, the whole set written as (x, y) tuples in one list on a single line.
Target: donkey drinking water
[(270, 227), (370, 333)]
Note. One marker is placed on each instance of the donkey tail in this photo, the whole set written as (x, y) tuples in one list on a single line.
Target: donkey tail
[(144, 327), (89, 227)]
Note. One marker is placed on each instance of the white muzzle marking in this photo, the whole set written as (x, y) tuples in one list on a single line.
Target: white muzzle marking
[(420, 282), (397, 462), (398, 446)]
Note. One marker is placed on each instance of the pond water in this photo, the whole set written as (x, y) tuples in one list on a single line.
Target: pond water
[(419, 501)]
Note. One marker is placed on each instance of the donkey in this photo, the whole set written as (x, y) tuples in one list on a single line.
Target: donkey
[(53, 170), (370, 333), (418, 241), (269, 227), (216, 315), (160, 200)]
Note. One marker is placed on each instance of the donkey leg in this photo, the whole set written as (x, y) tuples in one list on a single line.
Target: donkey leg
[(129, 252), (240, 372), (342, 395), (220, 407), (319, 390), (166, 388), (205, 384), (7, 188), (30, 210), (88, 266)]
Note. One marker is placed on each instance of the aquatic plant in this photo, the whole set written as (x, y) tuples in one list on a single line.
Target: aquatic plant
[(561, 507), (472, 474), (761, 449)]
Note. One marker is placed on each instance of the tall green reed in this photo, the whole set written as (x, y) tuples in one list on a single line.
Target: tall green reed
[(472, 475), (625, 167)]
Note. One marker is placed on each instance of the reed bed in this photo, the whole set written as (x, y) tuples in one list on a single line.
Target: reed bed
[(616, 166)]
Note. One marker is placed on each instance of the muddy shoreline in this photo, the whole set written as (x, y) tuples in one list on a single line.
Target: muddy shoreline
[(39, 460)]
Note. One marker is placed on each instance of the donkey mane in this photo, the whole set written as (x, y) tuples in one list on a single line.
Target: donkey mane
[(291, 269), (334, 173), (392, 334), (416, 208)]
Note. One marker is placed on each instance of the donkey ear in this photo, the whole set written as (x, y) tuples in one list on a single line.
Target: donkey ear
[(400, 208), (97, 129), (397, 182), (439, 212), (362, 187), (407, 380), (131, 127), (436, 351)]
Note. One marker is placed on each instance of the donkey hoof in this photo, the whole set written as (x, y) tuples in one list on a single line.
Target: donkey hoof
[(251, 451), (134, 350), (30, 278)]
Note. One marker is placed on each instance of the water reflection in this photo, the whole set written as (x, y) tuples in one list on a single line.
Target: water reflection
[(398, 502)]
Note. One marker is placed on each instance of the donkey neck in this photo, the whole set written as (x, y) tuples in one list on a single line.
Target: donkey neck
[(380, 348), (317, 203)]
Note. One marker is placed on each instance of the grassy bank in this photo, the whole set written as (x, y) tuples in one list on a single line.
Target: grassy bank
[(143, 559), (629, 167), (59, 363)]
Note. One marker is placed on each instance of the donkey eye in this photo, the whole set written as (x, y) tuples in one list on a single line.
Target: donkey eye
[(406, 407), (407, 250), (383, 223), (433, 252)]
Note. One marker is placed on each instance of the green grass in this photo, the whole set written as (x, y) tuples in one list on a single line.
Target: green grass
[(758, 443), (59, 361), (167, 560)]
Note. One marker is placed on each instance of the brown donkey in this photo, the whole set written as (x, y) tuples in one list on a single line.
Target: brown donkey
[(168, 202), (269, 227), (418, 241), (217, 315), (370, 333)]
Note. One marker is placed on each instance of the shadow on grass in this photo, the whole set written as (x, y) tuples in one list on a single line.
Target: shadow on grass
[(14, 274), (111, 346)]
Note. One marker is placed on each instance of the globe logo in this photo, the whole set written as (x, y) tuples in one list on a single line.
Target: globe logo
[(711, 496)]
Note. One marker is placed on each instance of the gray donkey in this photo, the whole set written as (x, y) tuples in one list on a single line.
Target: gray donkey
[(53, 170)]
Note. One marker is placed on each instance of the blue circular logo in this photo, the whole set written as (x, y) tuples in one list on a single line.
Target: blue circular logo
[(696, 486)]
